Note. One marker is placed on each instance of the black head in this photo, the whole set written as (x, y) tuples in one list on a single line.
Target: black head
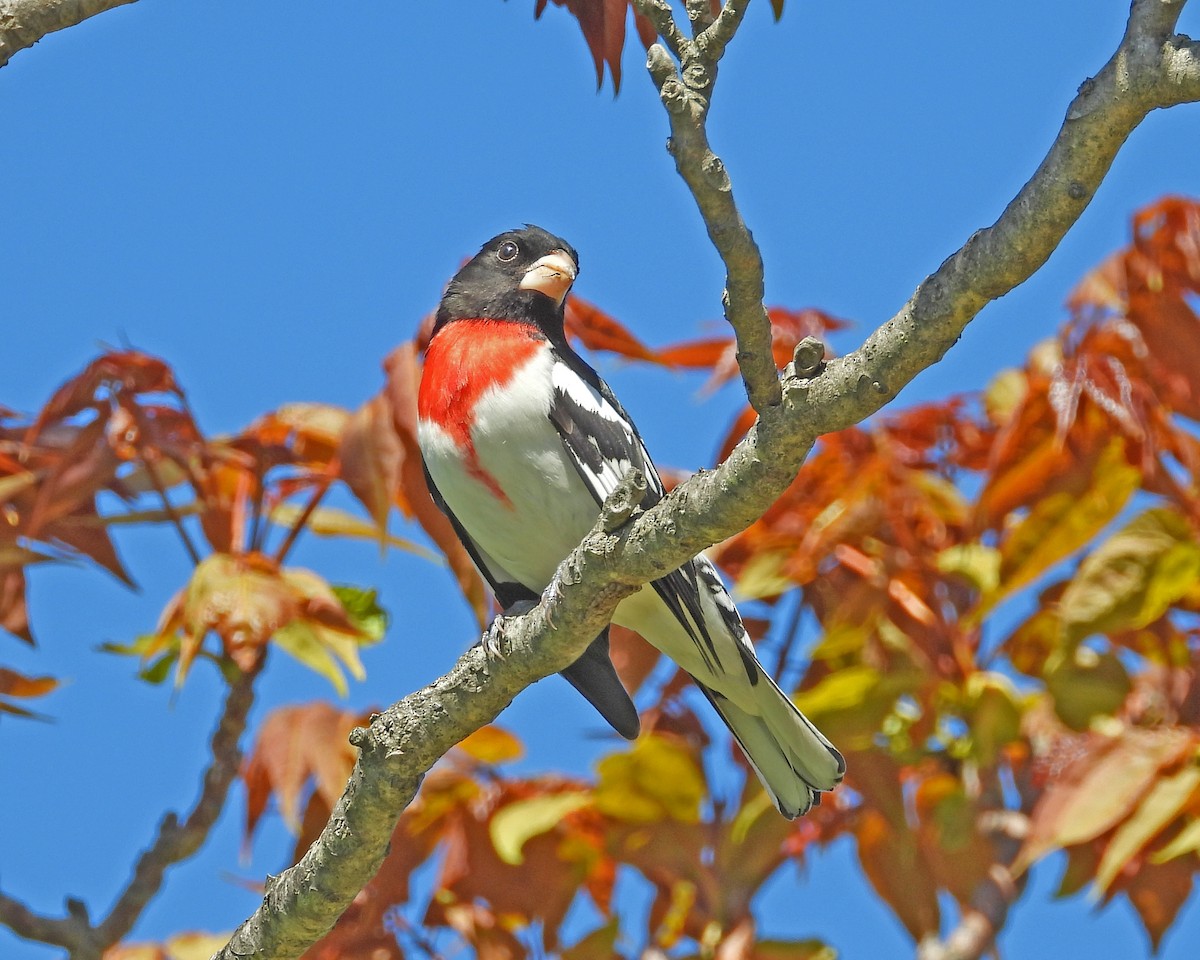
[(520, 275)]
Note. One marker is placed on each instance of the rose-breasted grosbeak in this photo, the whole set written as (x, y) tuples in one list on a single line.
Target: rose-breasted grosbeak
[(522, 443)]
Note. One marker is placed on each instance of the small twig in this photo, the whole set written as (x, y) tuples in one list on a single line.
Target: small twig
[(176, 519), (175, 842), (314, 501), (68, 932), (993, 898), (658, 12), (711, 43), (791, 634), (686, 92)]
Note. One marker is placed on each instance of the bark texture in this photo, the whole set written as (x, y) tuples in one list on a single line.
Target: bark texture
[(24, 22)]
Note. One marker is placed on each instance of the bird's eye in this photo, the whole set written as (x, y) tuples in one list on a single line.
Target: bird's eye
[(508, 251)]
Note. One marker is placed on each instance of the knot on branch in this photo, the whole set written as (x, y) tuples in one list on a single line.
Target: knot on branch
[(698, 77), (807, 357), (716, 174), (624, 501)]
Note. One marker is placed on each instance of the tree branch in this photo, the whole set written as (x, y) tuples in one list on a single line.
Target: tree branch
[(401, 744), (24, 22), (175, 842), (686, 94), (1150, 69), (991, 900)]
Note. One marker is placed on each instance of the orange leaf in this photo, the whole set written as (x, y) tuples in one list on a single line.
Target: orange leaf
[(13, 684), (1158, 893), (491, 744), (371, 456), (892, 862), (14, 616), (1100, 788), (296, 745), (598, 331)]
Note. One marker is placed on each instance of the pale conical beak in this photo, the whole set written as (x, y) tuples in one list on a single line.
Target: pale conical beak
[(552, 276)]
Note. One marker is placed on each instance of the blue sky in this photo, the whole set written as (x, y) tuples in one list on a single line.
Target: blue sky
[(271, 195)]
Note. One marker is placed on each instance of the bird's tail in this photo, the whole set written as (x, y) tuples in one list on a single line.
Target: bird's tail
[(792, 758)]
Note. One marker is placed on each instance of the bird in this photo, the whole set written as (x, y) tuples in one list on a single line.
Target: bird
[(522, 442)]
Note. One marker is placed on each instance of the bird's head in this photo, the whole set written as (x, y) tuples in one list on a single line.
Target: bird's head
[(520, 275)]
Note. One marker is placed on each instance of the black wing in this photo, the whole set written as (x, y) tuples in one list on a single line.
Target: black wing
[(592, 674), (604, 446)]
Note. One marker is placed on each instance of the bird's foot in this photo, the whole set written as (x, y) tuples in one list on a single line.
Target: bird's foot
[(493, 637)]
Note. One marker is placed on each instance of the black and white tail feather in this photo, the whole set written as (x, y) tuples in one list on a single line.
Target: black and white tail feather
[(792, 758)]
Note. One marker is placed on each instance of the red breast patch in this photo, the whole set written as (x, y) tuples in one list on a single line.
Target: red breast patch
[(465, 360)]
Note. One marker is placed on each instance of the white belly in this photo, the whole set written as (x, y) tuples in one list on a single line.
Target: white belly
[(549, 510)]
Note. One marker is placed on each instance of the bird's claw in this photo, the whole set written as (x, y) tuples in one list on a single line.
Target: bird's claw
[(552, 594), (493, 636)]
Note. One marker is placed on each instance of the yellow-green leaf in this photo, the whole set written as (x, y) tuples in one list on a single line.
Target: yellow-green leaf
[(1063, 522), (332, 522), (1085, 684), (655, 779), (763, 576), (840, 690), (1185, 842), (364, 610), (303, 642), (492, 744), (1133, 577), (993, 714), (977, 562), (1162, 804), (518, 822)]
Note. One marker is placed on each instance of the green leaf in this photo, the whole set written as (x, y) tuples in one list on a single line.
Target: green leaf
[(159, 670), (363, 609), (600, 944), (518, 822), (763, 577), (303, 642), (793, 950), (1165, 800), (993, 714), (1133, 577), (977, 562), (1085, 684)]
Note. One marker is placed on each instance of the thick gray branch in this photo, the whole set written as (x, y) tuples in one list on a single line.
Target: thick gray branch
[(402, 743), (24, 22), (1151, 69)]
